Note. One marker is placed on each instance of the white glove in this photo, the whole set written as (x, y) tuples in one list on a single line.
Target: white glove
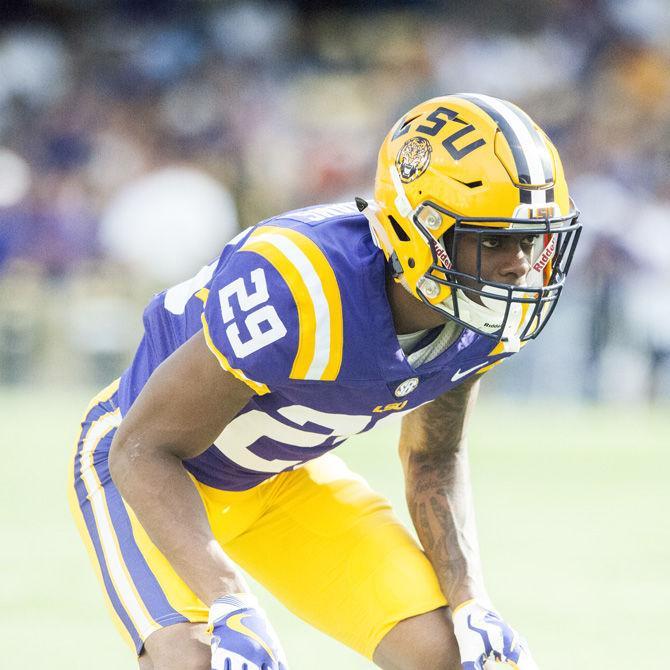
[(482, 636)]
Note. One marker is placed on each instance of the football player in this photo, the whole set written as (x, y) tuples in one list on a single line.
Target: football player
[(211, 451)]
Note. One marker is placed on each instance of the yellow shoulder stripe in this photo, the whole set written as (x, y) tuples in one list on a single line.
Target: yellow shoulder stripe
[(481, 371), (203, 294), (314, 288), (300, 293), (498, 349), (103, 395), (259, 388)]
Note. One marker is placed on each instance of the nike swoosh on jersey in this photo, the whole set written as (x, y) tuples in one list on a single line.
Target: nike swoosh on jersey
[(459, 374)]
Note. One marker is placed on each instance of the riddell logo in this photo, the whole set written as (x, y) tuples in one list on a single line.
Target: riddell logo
[(442, 254), (546, 255)]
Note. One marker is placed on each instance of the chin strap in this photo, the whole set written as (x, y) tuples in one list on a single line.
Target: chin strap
[(380, 238), (401, 201), (371, 212)]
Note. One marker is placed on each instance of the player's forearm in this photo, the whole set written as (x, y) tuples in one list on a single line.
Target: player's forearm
[(440, 503), (439, 497), (160, 492)]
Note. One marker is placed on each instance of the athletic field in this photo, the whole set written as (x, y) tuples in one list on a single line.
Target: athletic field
[(572, 504)]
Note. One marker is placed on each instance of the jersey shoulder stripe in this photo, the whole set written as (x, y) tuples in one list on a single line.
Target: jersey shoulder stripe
[(500, 348), (313, 285)]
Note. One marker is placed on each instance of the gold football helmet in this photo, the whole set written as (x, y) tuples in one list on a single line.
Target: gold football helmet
[(467, 164)]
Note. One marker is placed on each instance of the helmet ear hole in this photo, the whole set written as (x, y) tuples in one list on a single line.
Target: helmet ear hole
[(399, 230)]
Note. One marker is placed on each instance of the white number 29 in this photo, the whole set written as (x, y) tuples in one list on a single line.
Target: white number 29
[(258, 337)]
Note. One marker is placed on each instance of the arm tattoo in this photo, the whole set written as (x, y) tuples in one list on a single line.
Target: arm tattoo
[(438, 490), (440, 425)]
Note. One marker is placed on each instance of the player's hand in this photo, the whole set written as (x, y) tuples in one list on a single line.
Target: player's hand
[(242, 638), (483, 636)]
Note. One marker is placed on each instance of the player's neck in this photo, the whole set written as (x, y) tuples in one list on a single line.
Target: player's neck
[(409, 314)]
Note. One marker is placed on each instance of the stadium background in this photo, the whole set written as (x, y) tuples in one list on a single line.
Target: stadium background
[(137, 136)]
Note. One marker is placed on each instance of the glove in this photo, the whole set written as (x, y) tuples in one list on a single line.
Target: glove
[(242, 638), (483, 636)]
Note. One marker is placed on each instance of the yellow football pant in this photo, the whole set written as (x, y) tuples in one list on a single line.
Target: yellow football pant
[(318, 538)]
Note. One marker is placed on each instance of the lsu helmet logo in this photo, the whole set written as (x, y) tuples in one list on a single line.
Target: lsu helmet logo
[(413, 158)]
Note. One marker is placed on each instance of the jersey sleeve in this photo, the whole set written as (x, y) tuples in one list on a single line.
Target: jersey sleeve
[(273, 313)]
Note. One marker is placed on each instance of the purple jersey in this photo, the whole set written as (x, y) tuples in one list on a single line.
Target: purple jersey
[(296, 307)]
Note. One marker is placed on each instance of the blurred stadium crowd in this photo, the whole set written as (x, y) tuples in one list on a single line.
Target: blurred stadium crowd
[(136, 137)]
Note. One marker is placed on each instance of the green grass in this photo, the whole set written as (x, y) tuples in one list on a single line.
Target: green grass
[(573, 514)]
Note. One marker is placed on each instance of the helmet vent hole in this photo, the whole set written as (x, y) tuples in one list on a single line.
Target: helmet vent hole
[(399, 230), (410, 262)]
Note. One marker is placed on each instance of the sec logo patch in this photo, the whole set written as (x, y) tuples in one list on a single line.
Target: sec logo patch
[(406, 387)]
